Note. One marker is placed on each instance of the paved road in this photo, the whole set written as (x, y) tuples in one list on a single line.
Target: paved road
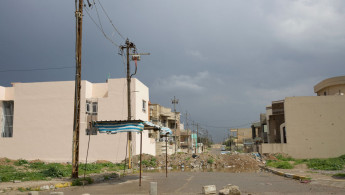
[(192, 182)]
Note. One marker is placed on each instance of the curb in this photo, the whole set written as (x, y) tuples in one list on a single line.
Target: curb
[(63, 185), (288, 175)]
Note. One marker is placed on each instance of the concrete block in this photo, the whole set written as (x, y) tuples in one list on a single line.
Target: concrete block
[(209, 189), (153, 188), (46, 187), (33, 193), (224, 192), (233, 190), (56, 193)]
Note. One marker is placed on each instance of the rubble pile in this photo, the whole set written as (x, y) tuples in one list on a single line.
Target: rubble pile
[(232, 162)]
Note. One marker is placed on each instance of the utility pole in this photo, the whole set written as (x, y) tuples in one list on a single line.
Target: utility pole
[(76, 120), (175, 101), (187, 132), (197, 136), (129, 45)]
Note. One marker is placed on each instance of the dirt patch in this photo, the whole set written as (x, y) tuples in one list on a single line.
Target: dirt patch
[(6, 161), (102, 161)]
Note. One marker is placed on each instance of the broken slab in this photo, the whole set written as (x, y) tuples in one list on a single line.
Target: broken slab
[(209, 189), (233, 190)]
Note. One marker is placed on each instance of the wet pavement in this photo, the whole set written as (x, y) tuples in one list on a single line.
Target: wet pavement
[(192, 182)]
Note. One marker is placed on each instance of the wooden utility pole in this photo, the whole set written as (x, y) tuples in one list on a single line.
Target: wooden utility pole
[(197, 136), (129, 45), (175, 101), (187, 131), (76, 121)]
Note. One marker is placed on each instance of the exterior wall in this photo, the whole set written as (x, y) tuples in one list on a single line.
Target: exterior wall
[(43, 121), (331, 86), (315, 126), (6, 93), (332, 90), (268, 113), (274, 148), (2, 93), (243, 133)]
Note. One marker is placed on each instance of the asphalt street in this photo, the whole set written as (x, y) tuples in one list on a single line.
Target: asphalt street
[(192, 182)]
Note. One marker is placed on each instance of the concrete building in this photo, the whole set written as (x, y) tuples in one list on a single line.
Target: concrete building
[(37, 120), (309, 127), (163, 116)]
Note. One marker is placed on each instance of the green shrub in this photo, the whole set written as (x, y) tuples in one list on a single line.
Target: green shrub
[(284, 158), (20, 162), (37, 165), (326, 164), (300, 161), (53, 172), (339, 175), (9, 173), (150, 163), (210, 161), (80, 181)]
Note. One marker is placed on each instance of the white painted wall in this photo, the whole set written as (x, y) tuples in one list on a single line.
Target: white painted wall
[(43, 120)]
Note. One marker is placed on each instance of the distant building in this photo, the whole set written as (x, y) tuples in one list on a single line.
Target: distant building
[(37, 120), (163, 116), (309, 127)]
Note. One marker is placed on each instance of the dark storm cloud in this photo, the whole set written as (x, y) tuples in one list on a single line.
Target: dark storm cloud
[(224, 60)]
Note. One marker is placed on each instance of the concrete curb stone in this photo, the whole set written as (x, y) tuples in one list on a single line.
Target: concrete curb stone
[(288, 175)]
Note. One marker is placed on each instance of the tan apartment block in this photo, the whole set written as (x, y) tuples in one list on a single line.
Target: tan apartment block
[(310, 127), (43, 120)]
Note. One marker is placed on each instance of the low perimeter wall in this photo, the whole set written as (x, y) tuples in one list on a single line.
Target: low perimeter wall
[(274, 148)]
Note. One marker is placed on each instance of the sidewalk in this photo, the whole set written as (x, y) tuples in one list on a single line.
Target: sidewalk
[(309, 176)]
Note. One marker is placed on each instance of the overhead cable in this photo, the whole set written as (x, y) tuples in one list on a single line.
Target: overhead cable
[(101, 29), (111, 22)]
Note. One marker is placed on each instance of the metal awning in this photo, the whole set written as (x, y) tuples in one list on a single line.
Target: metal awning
[(113, 127)]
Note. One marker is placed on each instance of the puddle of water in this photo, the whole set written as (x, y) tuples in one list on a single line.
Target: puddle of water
[(228, 170)]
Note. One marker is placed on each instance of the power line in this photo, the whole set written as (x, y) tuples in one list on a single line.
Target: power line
[(37, 69), (111, 22), (101, 29)]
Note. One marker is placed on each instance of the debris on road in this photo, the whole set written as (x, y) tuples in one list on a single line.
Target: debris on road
[(241, 162), (209, 189)]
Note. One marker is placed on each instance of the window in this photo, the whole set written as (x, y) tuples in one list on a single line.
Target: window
[(144, 106), (91, 107), (94, 107), (7, 118)]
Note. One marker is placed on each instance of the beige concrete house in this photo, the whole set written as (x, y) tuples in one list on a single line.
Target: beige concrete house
[(36, 120), (163, 116), (309, 127)]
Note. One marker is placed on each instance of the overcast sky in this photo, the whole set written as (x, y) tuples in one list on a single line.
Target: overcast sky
[(224, 60)]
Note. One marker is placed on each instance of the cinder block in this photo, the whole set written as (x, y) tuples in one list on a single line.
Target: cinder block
[(153, 188)]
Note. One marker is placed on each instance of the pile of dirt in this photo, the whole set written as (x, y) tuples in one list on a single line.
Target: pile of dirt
[(235, 162)]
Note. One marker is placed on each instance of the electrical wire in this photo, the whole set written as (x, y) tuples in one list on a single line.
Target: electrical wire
[(37, 69), (101, 29), (111, 22)]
